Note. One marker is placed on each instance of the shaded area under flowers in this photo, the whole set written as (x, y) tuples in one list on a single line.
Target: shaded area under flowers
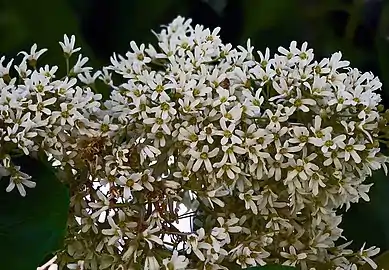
[(32, 227)]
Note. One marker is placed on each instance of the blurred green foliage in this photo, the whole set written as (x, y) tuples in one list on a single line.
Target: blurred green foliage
[(32, 227), (24, 22)]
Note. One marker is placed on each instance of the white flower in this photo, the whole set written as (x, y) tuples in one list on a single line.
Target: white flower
[(224, 96), (41, 105), (76, 266), (335, 63), (130, 183), (151, 263), (185, 170), (158, 123), (150, 152), (79, 66), (316, 181), (194, 242), (115, 232), (317, 130), (50, 265), (4, 70), (147, 179), (212, 197), (176, 262), (22, 70), (48, 71), (365, 255), (276, 118), (333, 158), (341, 99), (253, 104), (300, 103), (282, 88), (106, 76), (228, 227), (264, 59), (244, 258), (230, 151), (66, 115), (249, 200), (188, 105), (292, 257), (286, 151), (68, 45), (290, 54), (350, 150), (203, 157), (150, 238), (87, 223), (228, 133), (327, 143), (207, 133), (138, 53), (87, 78), (306, 55), (319, 87), (275, 168), (301, 135), (230, 169), (233, 115), (20, 179), (33, 55), (11, 134), (189, 134), (105, 127), (102, 204), (159, 88), (165, 110), (301, 169)]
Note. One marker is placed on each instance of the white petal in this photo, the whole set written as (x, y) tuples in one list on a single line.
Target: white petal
[(21, 189), (197, 165), (11, 186), (29, 183)]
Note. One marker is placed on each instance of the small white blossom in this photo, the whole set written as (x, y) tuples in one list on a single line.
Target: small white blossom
[(68, 45), (177, 262), (34, 54)]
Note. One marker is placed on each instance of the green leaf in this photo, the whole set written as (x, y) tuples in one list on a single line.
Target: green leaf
[(271, 267), (33, 227)]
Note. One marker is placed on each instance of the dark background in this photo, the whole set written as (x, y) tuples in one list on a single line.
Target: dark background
[(358, 28)]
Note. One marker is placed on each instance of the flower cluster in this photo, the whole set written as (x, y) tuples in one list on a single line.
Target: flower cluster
[(261, 150), (40, 113)]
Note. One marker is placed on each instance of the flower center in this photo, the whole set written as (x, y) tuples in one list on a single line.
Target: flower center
[(349, 148), (204, 155)]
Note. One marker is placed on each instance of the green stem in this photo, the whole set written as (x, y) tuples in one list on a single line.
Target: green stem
[(67, 65)]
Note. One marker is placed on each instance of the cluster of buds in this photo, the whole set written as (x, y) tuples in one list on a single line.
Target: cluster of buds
[(261, 151)]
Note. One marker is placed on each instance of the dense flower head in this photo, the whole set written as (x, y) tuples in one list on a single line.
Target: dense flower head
[(262, 151)]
